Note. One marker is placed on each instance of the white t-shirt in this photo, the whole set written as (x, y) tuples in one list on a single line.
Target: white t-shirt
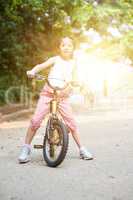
[(61, 72)]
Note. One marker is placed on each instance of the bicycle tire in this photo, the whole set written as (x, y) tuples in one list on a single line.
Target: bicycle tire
[(65, 139)]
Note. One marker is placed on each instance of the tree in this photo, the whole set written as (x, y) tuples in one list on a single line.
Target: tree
[(30, 30)]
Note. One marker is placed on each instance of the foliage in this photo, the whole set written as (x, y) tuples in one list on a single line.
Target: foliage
[(30, 30)]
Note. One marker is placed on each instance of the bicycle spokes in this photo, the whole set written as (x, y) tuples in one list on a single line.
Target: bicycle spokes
[(52, 151), (54, 143), (55, 137)]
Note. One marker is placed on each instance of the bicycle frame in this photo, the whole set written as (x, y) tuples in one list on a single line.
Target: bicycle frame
[(55, 143), (54, 103)]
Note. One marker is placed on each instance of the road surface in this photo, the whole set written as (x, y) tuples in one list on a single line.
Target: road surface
[(108, 135)]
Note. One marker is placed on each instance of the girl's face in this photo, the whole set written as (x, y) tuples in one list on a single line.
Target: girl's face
[(66, 48)]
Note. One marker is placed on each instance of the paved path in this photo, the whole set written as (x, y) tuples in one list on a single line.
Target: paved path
[(109, 135)]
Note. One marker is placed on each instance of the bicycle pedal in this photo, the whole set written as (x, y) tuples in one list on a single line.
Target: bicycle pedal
[(38, 146)]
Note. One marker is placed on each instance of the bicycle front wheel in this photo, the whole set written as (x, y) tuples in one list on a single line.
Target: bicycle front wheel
[(55, 143)]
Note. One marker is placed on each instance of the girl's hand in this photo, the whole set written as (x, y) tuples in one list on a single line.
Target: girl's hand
[(30, 74), (67, 91), (75, 84)]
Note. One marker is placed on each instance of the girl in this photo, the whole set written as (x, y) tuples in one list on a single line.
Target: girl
[(62, 68)]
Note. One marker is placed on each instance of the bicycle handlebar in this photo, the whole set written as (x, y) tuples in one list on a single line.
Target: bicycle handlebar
[(42, 78)]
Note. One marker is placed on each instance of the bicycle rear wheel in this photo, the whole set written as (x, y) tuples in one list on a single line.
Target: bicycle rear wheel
[(55, 143)]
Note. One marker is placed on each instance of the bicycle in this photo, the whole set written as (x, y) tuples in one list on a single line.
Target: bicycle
[(55, 142)]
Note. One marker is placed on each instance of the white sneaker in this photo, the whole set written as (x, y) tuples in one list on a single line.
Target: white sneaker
[(84, 154), (24, 155)]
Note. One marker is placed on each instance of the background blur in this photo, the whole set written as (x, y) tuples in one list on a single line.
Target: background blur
[(103, 34)]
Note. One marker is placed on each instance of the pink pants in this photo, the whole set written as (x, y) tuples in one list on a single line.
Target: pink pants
[(42, 110)]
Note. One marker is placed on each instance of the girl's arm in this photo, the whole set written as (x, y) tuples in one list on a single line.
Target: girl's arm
[(41, 66), (44, 65)]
